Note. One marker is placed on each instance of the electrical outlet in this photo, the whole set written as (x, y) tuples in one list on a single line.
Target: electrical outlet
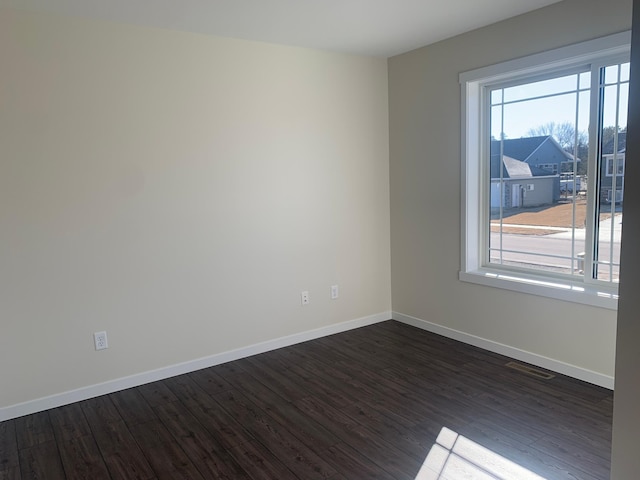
[(304, 297), (334, 292), (100, 340)]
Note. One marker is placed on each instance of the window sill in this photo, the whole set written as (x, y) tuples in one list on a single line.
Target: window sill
[(551, 288)]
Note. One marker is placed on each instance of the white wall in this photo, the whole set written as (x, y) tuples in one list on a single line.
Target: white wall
[(425, 169), (179, 191)]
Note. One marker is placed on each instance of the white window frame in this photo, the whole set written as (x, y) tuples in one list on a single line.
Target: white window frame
[(475, 190), (609, 160)]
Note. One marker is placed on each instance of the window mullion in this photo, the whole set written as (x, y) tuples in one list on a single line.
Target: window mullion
[(575, 172), (615, 175), (593, 169)]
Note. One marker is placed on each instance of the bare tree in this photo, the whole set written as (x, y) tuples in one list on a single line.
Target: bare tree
[(564, 133)]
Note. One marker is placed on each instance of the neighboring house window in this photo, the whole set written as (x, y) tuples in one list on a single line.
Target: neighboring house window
[(568, 246), (566, 167), (619, 161), (551, 167)]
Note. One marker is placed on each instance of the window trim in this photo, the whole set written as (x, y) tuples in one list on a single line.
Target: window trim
[(474, 193), (609, 157)]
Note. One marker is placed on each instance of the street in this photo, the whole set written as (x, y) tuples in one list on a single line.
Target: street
[(543, 251)]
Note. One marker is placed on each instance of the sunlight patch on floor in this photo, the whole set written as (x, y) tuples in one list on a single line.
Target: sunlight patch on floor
[(455, 457)]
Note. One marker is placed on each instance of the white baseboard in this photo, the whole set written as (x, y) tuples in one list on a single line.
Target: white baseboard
[(590, 376), (84, 393)]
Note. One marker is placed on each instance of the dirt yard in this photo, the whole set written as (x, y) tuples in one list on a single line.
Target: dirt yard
[(560, 215)]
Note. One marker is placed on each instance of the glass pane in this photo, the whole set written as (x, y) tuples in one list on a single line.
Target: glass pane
[(538, 176), (545, 87), (613, 136), (496, 96), (611, 74), (496, 122), (614, 111), (585, 80), (624, 72)]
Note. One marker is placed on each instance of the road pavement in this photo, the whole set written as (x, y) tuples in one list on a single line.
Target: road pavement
[(546, 250)]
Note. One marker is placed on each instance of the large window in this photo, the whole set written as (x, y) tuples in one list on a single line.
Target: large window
[(543, 137)]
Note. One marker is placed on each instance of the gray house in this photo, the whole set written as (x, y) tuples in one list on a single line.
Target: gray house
[(612, 169), (521, 185), (543, 152), (545, 158)]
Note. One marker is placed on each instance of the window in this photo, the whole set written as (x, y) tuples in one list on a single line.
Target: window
[(620, 166), (556, 120), (551, 167)]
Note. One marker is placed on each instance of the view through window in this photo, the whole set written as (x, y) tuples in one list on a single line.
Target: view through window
[(556, 172)]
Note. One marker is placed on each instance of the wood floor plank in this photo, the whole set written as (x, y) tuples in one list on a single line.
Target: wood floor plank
[(201, 446), (385, 426), (132, 406), (166, 457), (188, 391), (367, 403), (9, 460), (285, 446), (69, 422), (100, 411), (121, 453), (157, 393), (280, 380), (368, 443), (32, 430), (337, 398), (41, 462), (209, 413), (351, 464), (590, 461), (82, 460), (382, 451), (311, 433), (258, 461), (210, 381)]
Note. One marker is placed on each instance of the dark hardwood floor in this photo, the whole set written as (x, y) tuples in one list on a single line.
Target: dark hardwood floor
[(365, 404)]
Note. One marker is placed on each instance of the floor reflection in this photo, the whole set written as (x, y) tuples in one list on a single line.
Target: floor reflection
[(455, 457)]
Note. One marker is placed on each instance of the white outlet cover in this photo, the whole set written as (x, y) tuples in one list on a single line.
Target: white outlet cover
[(100, 340)]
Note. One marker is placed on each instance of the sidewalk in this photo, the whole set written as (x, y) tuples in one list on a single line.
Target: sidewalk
[(563, 232)]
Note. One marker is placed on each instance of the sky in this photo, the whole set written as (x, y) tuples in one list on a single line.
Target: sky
[(559, 100)]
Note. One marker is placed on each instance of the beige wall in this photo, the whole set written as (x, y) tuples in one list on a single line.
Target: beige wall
[(179, 191), (425, 169)]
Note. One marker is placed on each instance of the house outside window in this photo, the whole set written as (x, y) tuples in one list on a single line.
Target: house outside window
[(542, 206)]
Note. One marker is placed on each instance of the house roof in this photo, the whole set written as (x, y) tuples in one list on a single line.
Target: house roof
[(522, 148), (518, 148), (512, 168)]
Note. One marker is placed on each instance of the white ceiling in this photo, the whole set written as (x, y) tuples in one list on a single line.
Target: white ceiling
[(368, 27)]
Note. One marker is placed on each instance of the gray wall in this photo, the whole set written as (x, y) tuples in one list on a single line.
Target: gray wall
[(626, 412), (425, 171)]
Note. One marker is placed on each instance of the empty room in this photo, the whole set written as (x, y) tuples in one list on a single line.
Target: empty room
[(334, 240)]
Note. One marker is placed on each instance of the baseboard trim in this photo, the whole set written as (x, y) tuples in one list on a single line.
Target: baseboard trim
[(84, 393), (589, 376)]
